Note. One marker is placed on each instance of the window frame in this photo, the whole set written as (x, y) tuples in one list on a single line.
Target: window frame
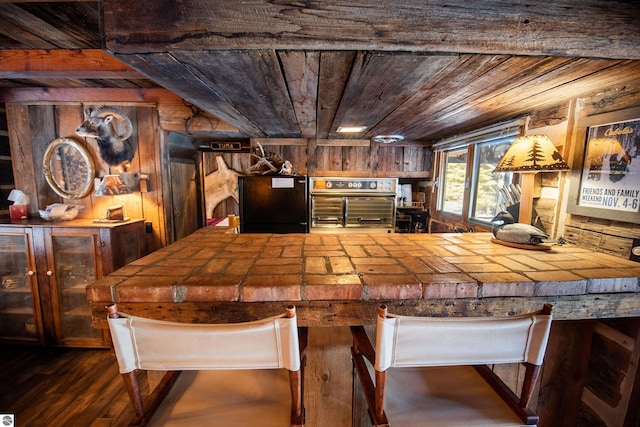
[(471, 142), (506, 178), (466, 186)]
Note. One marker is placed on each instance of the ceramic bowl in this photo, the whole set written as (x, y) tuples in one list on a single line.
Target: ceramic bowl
[(68, 215)]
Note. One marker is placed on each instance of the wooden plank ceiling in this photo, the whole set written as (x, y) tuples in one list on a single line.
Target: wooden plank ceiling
[(289, 69)]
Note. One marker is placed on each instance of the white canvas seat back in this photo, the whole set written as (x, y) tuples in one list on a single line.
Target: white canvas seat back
[(149, 344), (407, 341)]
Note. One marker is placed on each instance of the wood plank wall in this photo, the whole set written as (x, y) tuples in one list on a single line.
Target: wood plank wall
[(345, 157), (605, 235), (610, 387), (332, 158), (33, 127), (6, 167)]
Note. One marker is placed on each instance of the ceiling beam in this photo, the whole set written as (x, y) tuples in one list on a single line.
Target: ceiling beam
[(187, 81), (47, 95), (173, 110), (63, 64), (48, 1), (543, 27)]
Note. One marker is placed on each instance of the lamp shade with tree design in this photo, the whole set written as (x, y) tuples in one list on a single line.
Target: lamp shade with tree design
[(529, 155)]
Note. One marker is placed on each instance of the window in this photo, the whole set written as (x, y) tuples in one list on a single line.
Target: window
[(468, 187), (487, 198), (455, 175)]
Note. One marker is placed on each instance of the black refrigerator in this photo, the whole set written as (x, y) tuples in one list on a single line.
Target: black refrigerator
[(273, 204)]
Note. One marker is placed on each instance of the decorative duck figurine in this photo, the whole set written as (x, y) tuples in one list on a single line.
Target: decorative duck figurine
[(507, 230)]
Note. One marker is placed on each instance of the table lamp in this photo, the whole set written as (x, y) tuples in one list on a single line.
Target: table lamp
[(529, 155), (112, 185)]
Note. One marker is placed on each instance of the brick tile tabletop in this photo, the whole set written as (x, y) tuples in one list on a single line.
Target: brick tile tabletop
[(214, 265)]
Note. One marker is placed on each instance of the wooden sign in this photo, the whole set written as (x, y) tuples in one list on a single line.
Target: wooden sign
[(225, 146)]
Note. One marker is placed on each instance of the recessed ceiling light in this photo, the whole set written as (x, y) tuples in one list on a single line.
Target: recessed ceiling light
[(351, 129)]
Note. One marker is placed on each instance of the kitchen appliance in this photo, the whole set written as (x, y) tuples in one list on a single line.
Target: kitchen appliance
[(273, 204), (341, 204)]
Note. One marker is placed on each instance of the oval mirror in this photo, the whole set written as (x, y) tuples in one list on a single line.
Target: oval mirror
[(68, 168)]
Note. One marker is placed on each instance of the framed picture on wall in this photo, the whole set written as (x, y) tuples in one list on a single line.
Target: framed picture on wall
[(605, 181)]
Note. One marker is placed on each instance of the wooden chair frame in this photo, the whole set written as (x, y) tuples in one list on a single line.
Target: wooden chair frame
[(145, 406), (375, 393)]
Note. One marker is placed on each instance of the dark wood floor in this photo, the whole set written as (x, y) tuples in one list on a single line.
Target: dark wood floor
[(68, 387), (53, 387)]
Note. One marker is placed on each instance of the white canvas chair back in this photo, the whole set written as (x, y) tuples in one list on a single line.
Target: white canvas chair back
[(447, 377), (149, 344), (142, 344), (404, 341)]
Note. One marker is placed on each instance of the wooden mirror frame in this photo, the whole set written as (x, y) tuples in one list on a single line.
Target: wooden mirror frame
[(89, 173)]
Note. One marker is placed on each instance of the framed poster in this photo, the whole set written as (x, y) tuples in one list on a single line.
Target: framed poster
[(605, 182)]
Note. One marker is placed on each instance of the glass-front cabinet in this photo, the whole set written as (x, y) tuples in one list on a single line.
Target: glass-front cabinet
[(75, 263), (45, 270), (20, 320)]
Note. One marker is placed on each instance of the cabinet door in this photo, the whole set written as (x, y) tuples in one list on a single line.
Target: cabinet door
[(122, 245), (74, 260), (20, 319)]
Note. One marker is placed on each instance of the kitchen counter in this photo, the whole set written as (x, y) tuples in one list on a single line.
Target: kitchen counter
[(336, 279)]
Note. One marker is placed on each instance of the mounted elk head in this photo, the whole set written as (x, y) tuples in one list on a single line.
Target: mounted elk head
[(219, 185), (111, 127)]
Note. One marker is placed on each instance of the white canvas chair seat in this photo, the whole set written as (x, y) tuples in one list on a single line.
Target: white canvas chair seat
[(226, 398), (235, 354), (433, 371), (444, 397)]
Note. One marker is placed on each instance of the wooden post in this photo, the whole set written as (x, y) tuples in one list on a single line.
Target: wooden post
[(527, 184)]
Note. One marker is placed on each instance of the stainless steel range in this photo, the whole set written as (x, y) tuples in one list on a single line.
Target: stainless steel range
[(339, 204)]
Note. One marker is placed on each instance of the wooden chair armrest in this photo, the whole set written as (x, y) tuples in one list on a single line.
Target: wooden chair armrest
[(368, 388), (526, 415), (303, 341), (362, 344), (145, 407)]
